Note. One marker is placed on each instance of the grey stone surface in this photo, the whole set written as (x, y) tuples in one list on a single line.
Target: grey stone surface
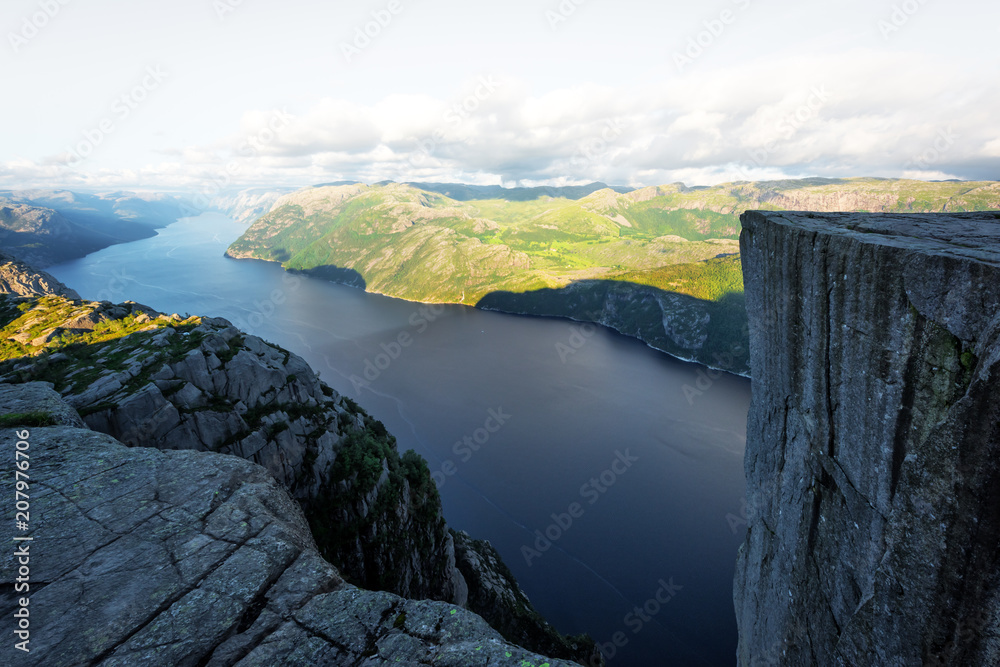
[(37, 397), (20, 279), (188, 398), (200, 384), (492, 586), (873, 443), (144, 557)]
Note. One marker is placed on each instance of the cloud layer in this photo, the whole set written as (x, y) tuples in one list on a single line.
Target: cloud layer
[(859, 113)]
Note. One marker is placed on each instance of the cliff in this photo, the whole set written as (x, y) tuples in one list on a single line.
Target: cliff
[(659, 264), (154, 380), (873, 442), (149, 557), (707, 331), (18, 278)]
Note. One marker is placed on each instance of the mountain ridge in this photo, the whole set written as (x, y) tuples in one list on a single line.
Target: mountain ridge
[(518, 255)]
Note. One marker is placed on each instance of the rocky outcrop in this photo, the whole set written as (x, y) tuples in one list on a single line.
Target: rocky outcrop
[(712, 333), (153, 380), (492, 586), (140, 556), (201, 384), (18, 278), (873, 444), (35, 402)]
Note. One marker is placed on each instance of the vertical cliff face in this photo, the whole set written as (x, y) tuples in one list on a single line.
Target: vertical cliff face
[(873, 443)]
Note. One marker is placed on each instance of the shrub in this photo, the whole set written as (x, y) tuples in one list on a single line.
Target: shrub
[(37, 419)]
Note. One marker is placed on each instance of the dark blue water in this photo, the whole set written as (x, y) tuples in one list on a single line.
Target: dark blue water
[(531, 424)]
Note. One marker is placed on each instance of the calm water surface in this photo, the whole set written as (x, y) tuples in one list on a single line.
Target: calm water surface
[(572, 402)]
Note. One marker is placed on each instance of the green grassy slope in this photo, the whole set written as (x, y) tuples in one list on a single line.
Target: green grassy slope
[(423, 246), (407, 242)]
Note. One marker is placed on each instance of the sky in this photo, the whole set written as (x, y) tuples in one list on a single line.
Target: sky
[(202, 95)]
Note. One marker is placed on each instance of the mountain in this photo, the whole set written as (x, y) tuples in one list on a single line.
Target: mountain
[(118, 213), (873, 440), (248, 205), (152, 380), (659, 263), (43, 236), (461, 192), (45, 227)]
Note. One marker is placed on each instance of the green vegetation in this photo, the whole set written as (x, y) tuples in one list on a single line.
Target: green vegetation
[(72, 343), (546, 256), (711, 280), (417, 244), (29, 419), (362, 460)]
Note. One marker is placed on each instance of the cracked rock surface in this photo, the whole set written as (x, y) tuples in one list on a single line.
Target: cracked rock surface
[(873, 441), (16, 277), (148, 557)]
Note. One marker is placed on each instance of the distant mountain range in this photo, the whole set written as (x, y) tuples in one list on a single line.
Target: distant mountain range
[(659, 263), (460, 192), (246, 205), (45, 227)]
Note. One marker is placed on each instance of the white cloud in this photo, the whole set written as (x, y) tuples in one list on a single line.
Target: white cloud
[(992, 148), (857, 113)]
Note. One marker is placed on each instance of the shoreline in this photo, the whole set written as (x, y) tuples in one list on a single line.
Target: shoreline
[(307, 273)]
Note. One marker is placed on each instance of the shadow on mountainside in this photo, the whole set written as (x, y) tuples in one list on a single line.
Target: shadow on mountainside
[(336, 274), (714, 333)]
